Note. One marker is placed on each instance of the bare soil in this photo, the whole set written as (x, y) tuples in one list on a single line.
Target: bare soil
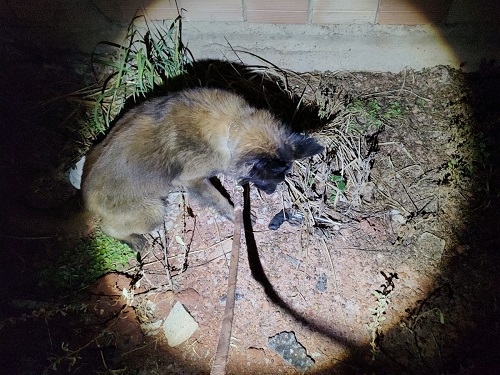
[(402, 281)]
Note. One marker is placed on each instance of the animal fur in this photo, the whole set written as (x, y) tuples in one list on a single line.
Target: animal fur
[(178, 142)]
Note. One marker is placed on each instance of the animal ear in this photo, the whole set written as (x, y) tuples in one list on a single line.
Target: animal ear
[(304, 146)]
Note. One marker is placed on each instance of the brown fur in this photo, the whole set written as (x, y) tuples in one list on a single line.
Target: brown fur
[(179, 142)]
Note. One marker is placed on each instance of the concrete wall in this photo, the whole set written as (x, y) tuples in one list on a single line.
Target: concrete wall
[(297, 34), (320, 12)]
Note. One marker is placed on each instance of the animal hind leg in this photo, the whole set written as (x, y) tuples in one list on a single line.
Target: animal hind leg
[(131, 226)]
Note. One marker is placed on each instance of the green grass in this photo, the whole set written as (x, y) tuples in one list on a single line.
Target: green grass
[(369, 116), (339, 187), (150, 58), (79, 266), (394, 111)]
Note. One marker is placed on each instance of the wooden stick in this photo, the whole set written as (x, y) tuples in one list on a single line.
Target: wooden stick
[(222, 352)]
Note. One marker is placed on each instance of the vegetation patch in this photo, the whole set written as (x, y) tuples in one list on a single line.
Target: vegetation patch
[(79, 266)]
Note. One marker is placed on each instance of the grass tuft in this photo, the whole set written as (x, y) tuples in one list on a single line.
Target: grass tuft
[(150, 58), (77, 267)]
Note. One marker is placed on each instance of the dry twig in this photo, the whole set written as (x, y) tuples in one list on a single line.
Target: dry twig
[(221, 355)]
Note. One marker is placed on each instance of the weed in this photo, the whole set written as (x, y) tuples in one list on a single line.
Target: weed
[(471, 151), (145, 61), (370, 116), (421, 103), (378, 313), (394, 111), (339, 187), (373, 108), (69, 358), (65, 363), (454, 169), (366, 115), (425, 314)]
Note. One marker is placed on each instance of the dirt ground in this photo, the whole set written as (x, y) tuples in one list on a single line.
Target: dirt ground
[(399, 274)]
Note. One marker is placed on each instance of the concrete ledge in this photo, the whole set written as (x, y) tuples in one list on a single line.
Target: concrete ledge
[(346, 47), (301, 48)]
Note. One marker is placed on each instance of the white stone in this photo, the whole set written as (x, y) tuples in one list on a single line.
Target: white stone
[(397, 217), (179, 325), (75, 173)]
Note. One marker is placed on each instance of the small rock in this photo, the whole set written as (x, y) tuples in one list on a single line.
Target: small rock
[(431, 246), (179, 325), (367, 191), (397, 217), (287, 347), (321, 283), (445, 76), (75, 173), (237, 297)]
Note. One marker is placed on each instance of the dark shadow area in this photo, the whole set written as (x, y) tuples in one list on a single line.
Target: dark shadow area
[(259, 88), (42, 330), (482, 220)]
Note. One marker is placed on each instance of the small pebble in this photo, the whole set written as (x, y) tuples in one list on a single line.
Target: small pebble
[(287, 347)]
